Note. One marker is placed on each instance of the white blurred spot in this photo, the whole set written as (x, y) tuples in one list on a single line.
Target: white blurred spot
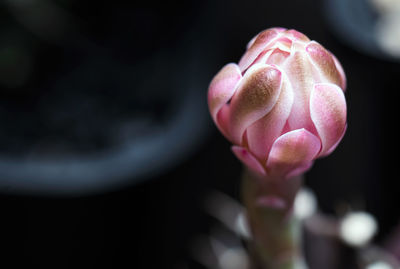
[(228, 211), (233, 259), (300, 264), (379, 265), (229, 257), (387, 29), (388, 33), (305, 204), (358, 228), (242, 226), (385, 6)]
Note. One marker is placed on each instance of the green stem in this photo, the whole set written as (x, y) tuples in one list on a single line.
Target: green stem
[(275, 231)]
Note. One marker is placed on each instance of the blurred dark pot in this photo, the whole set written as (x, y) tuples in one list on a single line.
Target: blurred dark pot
[(122, 102)]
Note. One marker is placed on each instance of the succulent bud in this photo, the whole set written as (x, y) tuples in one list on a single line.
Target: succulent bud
[(282, 105)]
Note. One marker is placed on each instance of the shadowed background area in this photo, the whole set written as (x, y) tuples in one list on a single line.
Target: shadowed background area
[(107, 151)]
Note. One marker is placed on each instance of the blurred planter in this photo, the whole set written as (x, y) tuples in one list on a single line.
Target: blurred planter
[(115, 102)]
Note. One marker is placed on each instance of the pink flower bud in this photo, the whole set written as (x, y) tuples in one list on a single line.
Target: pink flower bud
[(283, 105)]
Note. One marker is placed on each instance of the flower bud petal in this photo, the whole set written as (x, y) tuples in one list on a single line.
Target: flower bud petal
[(248, 159), (325, 63), (262, 134), (222, 87), (223, 121), (300, 169), (341, 72), (261, 41), (328, 112), (296, 35), (331, 149), (300, 72), (255, 96), (291, 150), (277, 57)]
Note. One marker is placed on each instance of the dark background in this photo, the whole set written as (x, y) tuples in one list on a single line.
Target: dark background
[(153, 223)]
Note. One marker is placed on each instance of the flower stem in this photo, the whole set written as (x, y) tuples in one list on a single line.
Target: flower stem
[(275, 231)]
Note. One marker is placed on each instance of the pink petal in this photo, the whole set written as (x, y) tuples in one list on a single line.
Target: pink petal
[(261, 42), (248, 159), (277, 57), (300, 169), (296, 35), (277, 29), (263, 56), (325, 63), (300, 72), (222, 87), (331, 149), (262, 134), (223, 121), (328, 112), (339, 67), (256, 95), (251, 42), (283, 42), (274, 56), (291, 150), (271, 201)]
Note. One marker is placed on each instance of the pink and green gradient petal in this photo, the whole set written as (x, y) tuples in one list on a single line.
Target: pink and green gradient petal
[(292, 150), (260, 42), (255, 97), (328, 112), (222, 88), (325, 63), (262, 134), (247, 158), (300, 72)]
